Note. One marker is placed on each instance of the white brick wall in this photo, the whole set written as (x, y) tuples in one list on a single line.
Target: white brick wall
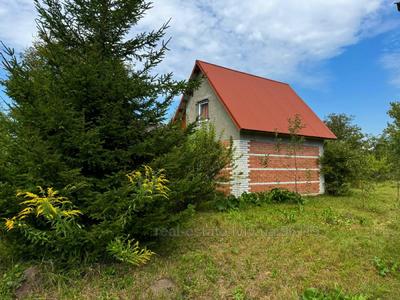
[(240, 172)]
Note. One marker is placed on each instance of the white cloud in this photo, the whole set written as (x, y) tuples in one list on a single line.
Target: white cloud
[(17, 22), (391, 62), (280, 39)]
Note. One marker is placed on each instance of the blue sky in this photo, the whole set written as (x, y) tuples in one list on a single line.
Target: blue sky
[(339, 55)]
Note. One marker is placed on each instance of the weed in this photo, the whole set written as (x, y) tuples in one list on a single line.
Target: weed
[(384, 267), (238, 293), (289, 217), (333, 218), (128, 252), (10, 281)]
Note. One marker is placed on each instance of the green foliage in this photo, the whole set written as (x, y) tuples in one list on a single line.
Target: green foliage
[(250, 199), (139, 206), (46, 224), (335, 294), (332, 217), (194, 167), (385, 268), (128, 252), (86, 108), (238, 293), (344, 129), (341, 165), (393, 134), (10, 281), (353, 160), (285, 196), (289, 217)]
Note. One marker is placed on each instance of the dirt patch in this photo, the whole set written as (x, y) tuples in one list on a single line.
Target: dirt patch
[(162, 287), (30, 276)]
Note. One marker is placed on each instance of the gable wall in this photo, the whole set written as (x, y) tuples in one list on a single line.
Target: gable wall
[(219, 117)]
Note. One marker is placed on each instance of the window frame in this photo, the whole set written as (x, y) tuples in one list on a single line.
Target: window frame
[(199, 106)]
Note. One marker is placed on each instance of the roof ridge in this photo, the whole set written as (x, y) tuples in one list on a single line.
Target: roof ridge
[(238, 71)]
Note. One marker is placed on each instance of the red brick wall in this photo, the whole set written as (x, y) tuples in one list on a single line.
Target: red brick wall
[(271, 166), (257, 147), (282, 176), (264, 157), (282, 162)]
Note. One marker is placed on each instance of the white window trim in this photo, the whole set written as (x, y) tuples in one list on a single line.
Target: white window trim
[(199, 104)]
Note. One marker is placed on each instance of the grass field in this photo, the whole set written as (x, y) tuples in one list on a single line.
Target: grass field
[(274, 251)]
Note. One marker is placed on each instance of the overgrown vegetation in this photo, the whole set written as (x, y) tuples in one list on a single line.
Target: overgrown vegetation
[(223, 203), (354, 159), (88, 108), (253, 253)]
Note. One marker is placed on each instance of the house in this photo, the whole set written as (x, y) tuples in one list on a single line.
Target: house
[(254, 113)]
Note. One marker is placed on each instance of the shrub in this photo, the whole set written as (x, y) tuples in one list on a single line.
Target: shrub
[(194, 167), (275, 195), (285, 196), (341, 165), (48, 225)]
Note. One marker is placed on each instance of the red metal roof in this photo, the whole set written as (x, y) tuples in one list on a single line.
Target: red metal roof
[(260, 104)]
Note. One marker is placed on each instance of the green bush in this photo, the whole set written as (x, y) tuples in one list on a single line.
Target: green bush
[(193, 167), (341, 165), (48, 225), (230, 202), (285, 196)]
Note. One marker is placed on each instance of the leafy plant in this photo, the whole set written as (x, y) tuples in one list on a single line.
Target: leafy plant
[(224, 203), (335, 294), (285, 196), (331, 217), (47, 224), (238, 293), (48, 205), (128, 251), (385, 268), (194, 166), (289, 216), (10, 281)]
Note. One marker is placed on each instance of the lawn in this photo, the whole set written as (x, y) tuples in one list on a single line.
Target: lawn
[(274, 251)]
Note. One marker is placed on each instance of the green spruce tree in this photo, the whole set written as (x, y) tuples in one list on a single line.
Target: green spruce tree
[(86, 108)]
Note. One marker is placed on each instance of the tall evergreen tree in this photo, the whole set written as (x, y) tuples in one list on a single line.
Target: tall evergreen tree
[(85, 96), (86, 101)]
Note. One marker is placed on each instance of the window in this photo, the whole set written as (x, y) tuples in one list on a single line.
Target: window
[(202, 110)]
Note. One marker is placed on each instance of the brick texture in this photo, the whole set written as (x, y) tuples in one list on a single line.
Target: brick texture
[(282, 176), (260, 165), (257, 147), (282, 162)]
